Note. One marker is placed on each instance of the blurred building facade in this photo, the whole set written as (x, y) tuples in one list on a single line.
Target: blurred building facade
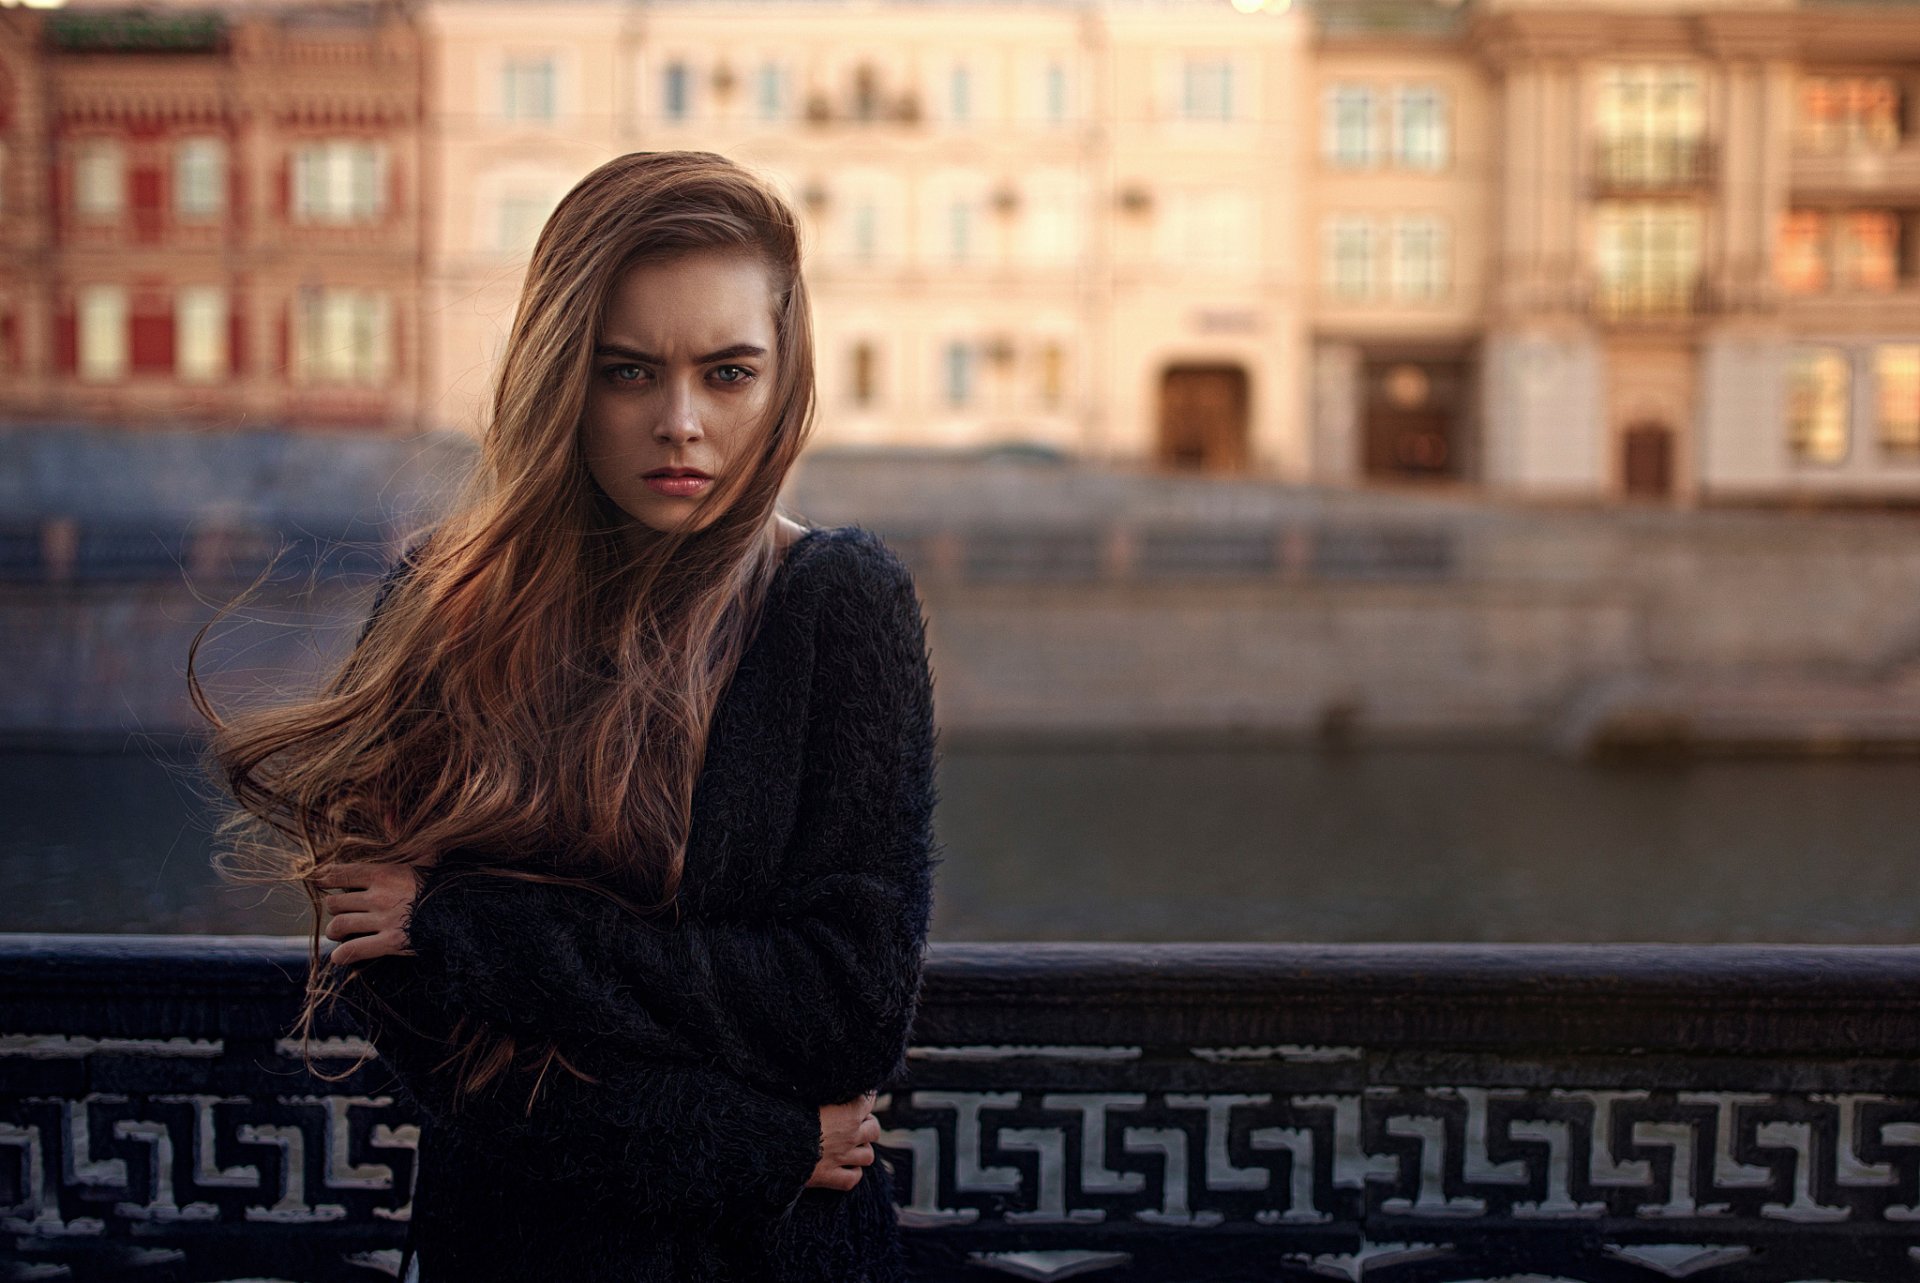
[(210, 217), (1060, 224), (1590, 249)]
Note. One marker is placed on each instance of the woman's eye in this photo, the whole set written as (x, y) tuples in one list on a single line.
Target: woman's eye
[(625, 373), (741, 370)]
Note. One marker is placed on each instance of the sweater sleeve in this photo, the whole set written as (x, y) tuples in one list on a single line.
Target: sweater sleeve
[(643, 1138), (661, 1133), (812, 993)]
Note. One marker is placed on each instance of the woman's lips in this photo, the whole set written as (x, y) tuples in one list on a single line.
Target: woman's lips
[(679, 487)]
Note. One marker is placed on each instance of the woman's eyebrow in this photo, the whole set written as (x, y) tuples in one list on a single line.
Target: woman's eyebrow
[(635, 354)]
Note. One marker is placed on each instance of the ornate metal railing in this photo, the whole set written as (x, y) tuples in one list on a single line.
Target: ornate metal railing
[(1383, 1113)]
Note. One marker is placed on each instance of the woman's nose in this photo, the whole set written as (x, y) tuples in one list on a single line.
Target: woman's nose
[(681, 421)]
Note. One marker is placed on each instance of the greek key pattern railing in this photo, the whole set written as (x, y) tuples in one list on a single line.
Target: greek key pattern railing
[(1608, 1115)]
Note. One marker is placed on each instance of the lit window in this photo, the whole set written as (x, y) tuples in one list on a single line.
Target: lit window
[(339, 182), (1849, 113), (1866, 250), (342, 337), (676, 89), (1802, 262), (1053, 374), (1347, 269), (199, 177), (1211, 228), (1817, 399), (102, 333), (200, 334), (960, 93), (1652, 122), (1648, 256), (526, 89), (1206, 89), (959, 370), (1056, 93), (1896, 380), (99, 178), (1420, 259), (1420, 128), (770, 91), (863, 373), (1350, 139)]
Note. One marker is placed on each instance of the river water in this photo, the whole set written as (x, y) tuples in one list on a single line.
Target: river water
[(1213, 843)]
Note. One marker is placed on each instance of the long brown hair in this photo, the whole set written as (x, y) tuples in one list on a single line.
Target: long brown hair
[(539, 691)]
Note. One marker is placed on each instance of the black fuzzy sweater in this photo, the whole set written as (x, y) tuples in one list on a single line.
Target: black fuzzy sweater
[(788, 982)]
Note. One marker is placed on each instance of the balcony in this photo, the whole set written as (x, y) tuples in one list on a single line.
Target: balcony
[(1623, 166), (1650, 299)]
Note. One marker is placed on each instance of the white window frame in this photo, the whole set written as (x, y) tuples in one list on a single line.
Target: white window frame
[(99, 178), (339, 180), (689, 89), (1202, 103), (777, 105), (522, 97), (200, 334), (1337, 137), (959, 377), (1338, 233), (1431, 278), (343, 337), (103, 334), (1423, 145), (200, 177)]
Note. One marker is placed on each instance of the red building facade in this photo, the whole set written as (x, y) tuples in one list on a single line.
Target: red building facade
[(210, 217)]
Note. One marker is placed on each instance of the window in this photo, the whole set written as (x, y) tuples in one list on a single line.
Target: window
[(1347, 270), (1420, 128), (959, 371), (1866, 250), (771, 94), (1049, 227), (1420, 259), (960, 93), (1652, 122), (676, 89), (1053, 374), (865, 230), (1206, 89), (339, 182), (1849, 113), (518, 220), (342, 337), (199, 177), (200, 334), (99, 179), (1351, 140), (1801, 264), (1817, 398), (1896, 381), (526, 89), (862, 382), (1055, 102), (102, 333), (1648, 256), (960, 230)]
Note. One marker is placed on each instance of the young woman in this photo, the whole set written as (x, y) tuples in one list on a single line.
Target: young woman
[(621, 806)]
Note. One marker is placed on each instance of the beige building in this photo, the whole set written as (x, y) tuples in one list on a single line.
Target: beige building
[(1054, 224), (1704, 284)]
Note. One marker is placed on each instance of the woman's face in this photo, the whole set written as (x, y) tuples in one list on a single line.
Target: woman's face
[(682, 377)]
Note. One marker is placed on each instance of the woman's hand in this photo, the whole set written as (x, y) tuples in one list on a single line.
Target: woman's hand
[(847, 1133), (368, 902)]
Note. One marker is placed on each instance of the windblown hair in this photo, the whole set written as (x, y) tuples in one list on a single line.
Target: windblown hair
[(540, 687)]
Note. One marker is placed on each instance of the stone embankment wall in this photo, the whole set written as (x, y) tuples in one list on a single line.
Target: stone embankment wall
[(1062, 600)]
